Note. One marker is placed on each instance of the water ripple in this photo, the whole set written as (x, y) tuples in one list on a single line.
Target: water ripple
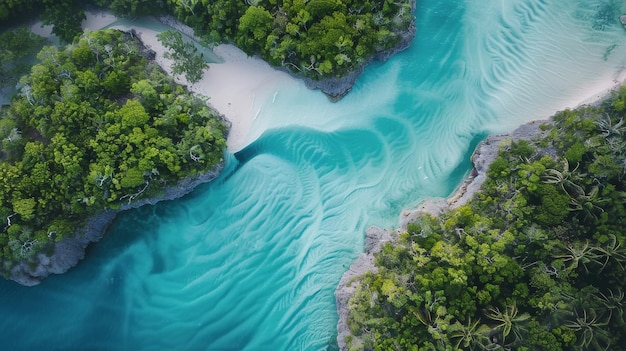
[(250, 261)]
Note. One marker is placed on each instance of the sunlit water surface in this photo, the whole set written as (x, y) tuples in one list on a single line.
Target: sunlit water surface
[(251, 260)]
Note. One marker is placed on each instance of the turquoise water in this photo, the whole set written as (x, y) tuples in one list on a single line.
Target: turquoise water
[(251, 260)]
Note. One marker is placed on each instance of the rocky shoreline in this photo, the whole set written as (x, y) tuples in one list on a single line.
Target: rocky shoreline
[(482, 157), (69, 251), (485, 153), (337, 88)]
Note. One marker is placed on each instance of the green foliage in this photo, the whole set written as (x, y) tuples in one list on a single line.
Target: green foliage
[(133, 8), (184, 54), (133, 115), (65, 16), (117, 83), (318, 38), (536, 261), (76, 141), (13, 11), (254, 26), (15, 47)]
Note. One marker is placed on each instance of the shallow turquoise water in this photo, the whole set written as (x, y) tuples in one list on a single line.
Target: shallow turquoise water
[(251, 260)]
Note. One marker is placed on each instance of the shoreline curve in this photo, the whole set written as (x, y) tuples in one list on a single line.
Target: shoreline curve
[(68, 252), (482, 157)]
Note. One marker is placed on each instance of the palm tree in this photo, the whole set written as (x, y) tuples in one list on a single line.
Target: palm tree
[(578, 253), (607, 128), (588, 203), (564, 178), (613, 251), (589, 330), (470, 335), (508, 321), (612, 302), (612, 133)]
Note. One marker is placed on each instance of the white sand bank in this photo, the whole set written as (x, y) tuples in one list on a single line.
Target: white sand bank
[(237, 88), (598, 91)]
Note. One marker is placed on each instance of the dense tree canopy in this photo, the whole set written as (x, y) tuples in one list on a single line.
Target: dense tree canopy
[(317, 38), (65, 16), (95, 125), (15, 10), (133, 8), (536, 261)]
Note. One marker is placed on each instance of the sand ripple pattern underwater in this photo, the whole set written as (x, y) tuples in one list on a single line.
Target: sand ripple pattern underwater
[(251, 260)]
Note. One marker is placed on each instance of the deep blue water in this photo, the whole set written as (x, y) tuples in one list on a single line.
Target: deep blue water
[(251, 260)]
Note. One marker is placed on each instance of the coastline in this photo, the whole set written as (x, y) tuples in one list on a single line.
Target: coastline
[(482, 157), (333, 88), (238, 86), (376, 237), (337, 88), (66, 253), (69, 251)]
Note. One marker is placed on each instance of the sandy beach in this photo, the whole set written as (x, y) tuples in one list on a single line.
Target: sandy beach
[(238, 88), (598, 91), (241, 85)]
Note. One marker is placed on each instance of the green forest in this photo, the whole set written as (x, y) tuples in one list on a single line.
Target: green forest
[(315, 38), (535, 261), (95, 125)]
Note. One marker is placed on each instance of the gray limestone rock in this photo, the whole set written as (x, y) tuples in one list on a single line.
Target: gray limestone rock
[(69, 251)]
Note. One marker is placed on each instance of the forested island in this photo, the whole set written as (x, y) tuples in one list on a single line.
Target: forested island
[(96, 126), (535, 261), (326, 42)]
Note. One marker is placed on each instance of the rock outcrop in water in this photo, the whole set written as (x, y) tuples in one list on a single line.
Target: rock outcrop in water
[(485, 153), (69, 251)]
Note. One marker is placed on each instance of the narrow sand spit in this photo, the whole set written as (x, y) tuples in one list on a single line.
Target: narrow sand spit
[(238, 88)]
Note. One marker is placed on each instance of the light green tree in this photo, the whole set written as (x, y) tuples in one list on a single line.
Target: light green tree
[(185, 55)]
